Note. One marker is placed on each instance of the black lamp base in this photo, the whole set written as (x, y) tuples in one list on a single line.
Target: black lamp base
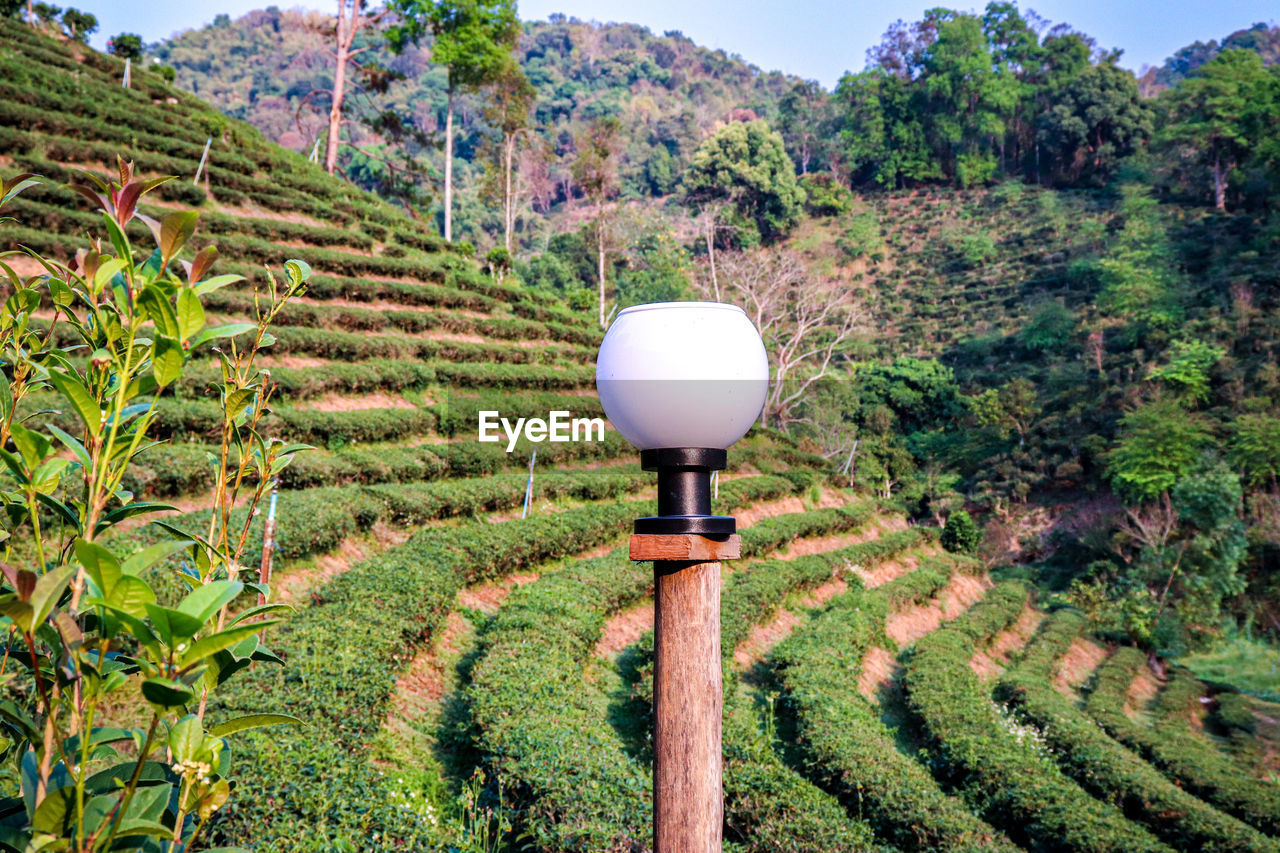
[(710, 526), (684, 492)]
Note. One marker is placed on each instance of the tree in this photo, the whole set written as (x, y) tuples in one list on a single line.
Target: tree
[(745, 166), (595, 169), (79, 25), (882, 135), (43, 14), (964, 98), (508, 111), (1212, 116), (807, 323), (1255, 448), (473, 39), (1160, 442), (802, 113), (1187, 372), (1093, 122), (1050, 327), (961, 535), (1012, 406), (126, 45), (349, 22), (11, 8)]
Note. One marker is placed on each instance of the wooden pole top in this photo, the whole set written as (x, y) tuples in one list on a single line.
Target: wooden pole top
[(684, 547)]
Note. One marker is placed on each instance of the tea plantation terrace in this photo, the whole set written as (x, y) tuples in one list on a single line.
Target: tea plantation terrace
[(881, 694)]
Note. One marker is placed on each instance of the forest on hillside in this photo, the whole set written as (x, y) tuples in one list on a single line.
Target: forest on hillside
[(1009, 520), (1033, 229)]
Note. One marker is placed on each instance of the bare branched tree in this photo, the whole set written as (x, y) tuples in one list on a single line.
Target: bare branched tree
[(351, 20), (807, 322)]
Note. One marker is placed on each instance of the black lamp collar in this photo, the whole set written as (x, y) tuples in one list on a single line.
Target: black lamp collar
[(684, 492)]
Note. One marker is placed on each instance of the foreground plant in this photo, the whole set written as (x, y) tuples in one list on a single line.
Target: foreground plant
[(88, 640)]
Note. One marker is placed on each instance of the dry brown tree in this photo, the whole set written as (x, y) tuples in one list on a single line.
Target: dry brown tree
[(807, 321)]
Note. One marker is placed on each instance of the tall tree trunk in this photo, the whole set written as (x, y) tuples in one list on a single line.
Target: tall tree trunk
[(600, 257), (339, 90), (448, 169), (508, 203), (1219, 182), (711, 254)]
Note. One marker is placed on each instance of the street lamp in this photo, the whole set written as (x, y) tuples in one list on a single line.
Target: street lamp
[(682, 381)]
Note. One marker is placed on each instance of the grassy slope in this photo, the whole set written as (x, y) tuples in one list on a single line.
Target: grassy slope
[(366, 617)]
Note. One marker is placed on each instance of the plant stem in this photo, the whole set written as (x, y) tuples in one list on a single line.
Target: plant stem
[(122, 805)]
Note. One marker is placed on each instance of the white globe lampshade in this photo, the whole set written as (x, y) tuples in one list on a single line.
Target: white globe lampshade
[(682, 375)]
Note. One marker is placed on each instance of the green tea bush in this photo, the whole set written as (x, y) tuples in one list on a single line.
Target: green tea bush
[(848, 748), (343, 654), (1001, 770), (1105, 768), (1191, 762), (88, 640)]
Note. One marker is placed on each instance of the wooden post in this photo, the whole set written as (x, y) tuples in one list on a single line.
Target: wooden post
[(688, 792), (528, 487), (203, 157), (268, 543)]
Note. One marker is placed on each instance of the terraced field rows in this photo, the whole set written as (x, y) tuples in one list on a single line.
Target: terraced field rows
[(438, 633)]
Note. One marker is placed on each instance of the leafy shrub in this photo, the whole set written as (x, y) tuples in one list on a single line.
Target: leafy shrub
[(961, 534), (1014, 784)]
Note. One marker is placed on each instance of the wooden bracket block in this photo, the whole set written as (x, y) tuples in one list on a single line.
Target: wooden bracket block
[(685, 547)]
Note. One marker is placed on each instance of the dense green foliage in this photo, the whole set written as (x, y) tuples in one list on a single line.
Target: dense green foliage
[(846, 745), (1103, 766), (1005, 772)]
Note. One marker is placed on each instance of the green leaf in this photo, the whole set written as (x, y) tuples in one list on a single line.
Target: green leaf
[(173, 626), (105, 272), (101, 565), (167, 360), (186, 738), (206, 646), (175, 230), (70, 442), (78, 395), (17, 184), (299, 271), (261, 610), (52, 813), (33, 446), (230, 330), (48, 588), (167, 693), (140, 561), (157, 306), (119, 240), (69, 515), (130, 510), (207, 599), (218, 281), (132, 595), (138, 826), (253, 721), (237, 401), (190, 314)]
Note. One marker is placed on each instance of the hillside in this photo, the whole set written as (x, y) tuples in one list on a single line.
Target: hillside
[(667, 92), (1260, 37), (473, 679)]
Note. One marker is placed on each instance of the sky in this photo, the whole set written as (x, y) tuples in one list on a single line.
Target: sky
[(815, 39)]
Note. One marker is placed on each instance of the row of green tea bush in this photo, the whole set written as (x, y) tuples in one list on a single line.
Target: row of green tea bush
[(1105, 768), (548, 733), (999, 768), (1188, 760), (848, 749), (317, 788)]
